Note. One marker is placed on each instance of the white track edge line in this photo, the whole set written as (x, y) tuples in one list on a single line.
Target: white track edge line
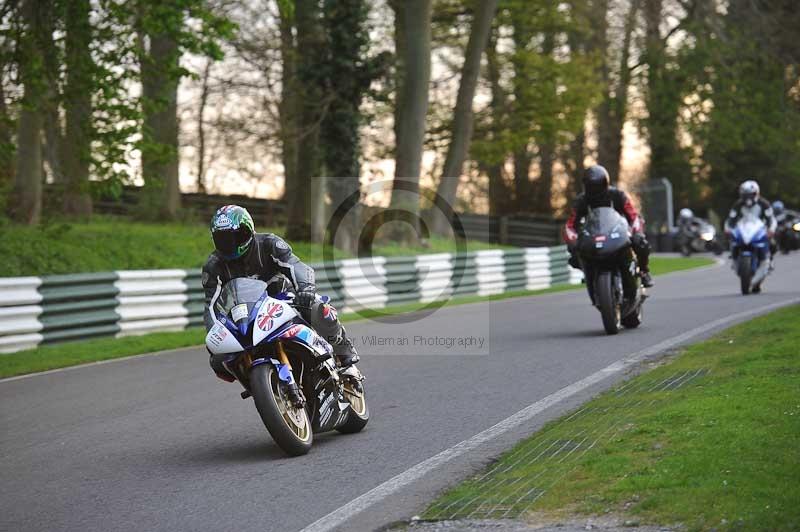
[(382, 491)]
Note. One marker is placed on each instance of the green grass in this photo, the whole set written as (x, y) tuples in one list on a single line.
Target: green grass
[(659, 265), (719, 452), (113, 243), (85, 351), (81, 352)]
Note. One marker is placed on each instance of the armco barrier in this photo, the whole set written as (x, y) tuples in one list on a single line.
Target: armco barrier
[(42, 310)]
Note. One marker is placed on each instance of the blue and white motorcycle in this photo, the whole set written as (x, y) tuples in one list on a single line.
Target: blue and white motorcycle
[(287, 368), (750, 253)]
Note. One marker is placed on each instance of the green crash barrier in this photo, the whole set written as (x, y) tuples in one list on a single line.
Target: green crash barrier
[(56, 308)]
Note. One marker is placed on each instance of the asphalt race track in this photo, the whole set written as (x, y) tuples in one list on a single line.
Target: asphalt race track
[(157, 443)]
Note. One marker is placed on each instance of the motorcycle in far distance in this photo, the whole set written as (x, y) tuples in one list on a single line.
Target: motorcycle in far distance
[(286, 366), (697, 237), (750, 253), (788, 232), (610, 268)]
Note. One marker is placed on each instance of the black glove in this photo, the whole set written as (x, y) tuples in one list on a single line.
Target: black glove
[(305, 299)]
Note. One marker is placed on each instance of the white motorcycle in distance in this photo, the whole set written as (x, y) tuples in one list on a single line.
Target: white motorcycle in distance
[(750, 253), (287, 368), (698, 237)]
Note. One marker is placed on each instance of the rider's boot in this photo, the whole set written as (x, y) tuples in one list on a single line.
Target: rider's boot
[(647, 279), (345, 351)]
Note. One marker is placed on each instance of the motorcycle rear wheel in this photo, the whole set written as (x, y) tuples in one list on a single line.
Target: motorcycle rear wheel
[(288, 425), (358, 416), (607, 300), (745, 274), (634, 319)]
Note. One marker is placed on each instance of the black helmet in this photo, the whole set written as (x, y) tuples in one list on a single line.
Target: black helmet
[(595, 181), (232, 230)]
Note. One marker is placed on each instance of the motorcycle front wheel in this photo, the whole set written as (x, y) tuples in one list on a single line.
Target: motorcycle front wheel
[(607, 301), (288, 425), (745, 274)]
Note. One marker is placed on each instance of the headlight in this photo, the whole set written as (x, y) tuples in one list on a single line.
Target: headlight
[(796, 226), (708, 236)]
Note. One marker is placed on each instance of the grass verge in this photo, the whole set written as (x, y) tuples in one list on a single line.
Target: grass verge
[(84, 351), (708, 440), (58, 248)]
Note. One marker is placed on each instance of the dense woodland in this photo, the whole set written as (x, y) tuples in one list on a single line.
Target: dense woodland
[(494, 105)]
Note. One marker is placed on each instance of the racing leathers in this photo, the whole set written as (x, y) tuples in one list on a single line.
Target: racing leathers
[(622, 204), (267, 256), (760, 208)]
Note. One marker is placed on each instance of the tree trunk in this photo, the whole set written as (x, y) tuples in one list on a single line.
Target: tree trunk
[(413, 97), (612, 111), (201, 130), (523, 187), (26, 198), (499, 194), (573, 156), (462, 114), (288, 108), (26, 205), (661, 100), (520, 119), (544, 185), (53, 135), (160, 79), (573, 162), (6, 140), (78, 105), (345, 22), (310, 54)]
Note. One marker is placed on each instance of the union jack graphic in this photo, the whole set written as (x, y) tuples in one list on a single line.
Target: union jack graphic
[(264, 319), (328, 312)]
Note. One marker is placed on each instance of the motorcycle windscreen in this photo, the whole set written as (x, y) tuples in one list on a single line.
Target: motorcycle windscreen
[(604, 221), (605, 231), (237, 298)]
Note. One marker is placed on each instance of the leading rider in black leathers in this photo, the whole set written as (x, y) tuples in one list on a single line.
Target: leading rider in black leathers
[(241, 252)]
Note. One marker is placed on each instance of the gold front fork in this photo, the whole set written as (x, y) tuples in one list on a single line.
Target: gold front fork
[(282, 356)]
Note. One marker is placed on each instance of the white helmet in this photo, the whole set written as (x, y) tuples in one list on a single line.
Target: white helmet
[(749, 191), (686, 214)]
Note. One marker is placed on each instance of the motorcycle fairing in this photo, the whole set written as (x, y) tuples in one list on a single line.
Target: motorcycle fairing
[(271, 315), (750, 232), (303, 334), (330, 406), (221, 340)]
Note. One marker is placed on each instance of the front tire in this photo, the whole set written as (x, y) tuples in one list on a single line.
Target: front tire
[(289, 426), (607, 301), (745, 274)]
